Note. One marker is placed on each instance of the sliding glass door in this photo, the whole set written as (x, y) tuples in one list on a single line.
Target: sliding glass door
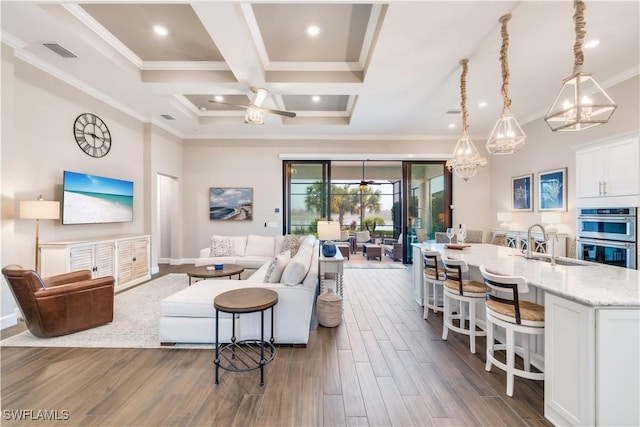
[(306, 188), (388, 198), (427, 195)]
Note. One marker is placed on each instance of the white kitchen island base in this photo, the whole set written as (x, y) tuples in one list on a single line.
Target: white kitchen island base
[(592, 333)]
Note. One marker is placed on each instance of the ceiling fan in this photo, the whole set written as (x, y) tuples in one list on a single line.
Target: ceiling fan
[(255, 113), (364, 184)]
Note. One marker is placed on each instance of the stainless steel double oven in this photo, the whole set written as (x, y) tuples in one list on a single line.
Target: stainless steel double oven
[(607, 235)]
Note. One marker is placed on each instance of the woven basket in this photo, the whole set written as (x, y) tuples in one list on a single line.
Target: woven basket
[(329, 309)]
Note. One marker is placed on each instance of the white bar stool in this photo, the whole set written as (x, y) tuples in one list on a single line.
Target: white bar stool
[(469, 295), (524, 317), (434, 278)]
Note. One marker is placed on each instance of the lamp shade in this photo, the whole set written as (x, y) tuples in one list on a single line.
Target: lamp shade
[(328, 230), (39, 209)]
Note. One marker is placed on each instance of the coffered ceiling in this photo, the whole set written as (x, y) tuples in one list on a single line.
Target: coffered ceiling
[(376, 70)]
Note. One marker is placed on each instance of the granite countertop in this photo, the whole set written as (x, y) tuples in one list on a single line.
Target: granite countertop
[(590, 284)]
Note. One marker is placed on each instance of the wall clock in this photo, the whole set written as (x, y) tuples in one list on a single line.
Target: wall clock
[(92, 135)]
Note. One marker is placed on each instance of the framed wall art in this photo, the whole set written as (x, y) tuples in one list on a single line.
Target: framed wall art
[(521, 189), (235, 204), (552, 190)]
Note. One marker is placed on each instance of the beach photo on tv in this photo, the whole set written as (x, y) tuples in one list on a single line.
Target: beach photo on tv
[(91, 199)]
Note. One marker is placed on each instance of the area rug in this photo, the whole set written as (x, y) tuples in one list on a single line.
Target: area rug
[(135, 324)]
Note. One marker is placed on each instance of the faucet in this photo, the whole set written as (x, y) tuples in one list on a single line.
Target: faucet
[(529, 244)]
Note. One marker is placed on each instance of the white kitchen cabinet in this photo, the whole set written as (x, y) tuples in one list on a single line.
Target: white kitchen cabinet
[(592, 375), (126, 258), (608, 174), (618, 367)]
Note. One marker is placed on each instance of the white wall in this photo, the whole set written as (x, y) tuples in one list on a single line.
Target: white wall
[(38, 145), (257, 164), (545, 150)]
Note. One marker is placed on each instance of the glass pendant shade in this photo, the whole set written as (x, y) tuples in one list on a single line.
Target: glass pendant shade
[(254, 115), (507, 136), (581, 104), (466, 161)]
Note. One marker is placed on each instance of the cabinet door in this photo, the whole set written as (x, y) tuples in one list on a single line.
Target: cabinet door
[(623, 172), (569, 362), (125, 261), (104, 259), (589, 171), (81, 258), (618, 352), (140, 258)]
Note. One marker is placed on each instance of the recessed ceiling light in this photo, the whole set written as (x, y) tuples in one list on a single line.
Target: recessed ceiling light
[(591, 43), (218, 98), (452, 125), (313, 30), (160, 30), (483, 104), (315, 98)]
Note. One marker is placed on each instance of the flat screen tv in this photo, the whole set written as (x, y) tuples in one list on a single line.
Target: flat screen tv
[(92, 199)]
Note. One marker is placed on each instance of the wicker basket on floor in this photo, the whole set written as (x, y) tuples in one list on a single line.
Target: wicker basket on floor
[(329, 309)]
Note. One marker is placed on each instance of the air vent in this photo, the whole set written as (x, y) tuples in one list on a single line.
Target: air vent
[(453, 111), (167, 117), (59, 50)]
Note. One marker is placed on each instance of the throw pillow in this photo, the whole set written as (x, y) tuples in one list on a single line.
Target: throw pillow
[(291, 242), (296, 270), (277, 266), (221, 246)]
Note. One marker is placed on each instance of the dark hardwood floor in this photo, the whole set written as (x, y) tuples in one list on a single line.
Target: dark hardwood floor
[(384, 365)]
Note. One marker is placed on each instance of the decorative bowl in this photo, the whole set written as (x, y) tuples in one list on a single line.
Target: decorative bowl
[(218, 266)]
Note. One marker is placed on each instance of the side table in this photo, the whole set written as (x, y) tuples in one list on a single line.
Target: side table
[(334, 264), (248, 354)]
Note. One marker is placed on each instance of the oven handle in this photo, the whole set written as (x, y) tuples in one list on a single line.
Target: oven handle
[(607, 219), (625, 245)]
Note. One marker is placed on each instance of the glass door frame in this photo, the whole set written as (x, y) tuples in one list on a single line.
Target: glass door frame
[(407, 252), (286, 190)]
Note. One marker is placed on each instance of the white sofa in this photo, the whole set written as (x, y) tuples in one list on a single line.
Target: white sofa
[(188, 316), (250, 251)]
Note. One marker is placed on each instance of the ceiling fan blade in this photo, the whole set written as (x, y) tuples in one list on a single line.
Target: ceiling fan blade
[(290, 114), (228, 103), (261, 95)]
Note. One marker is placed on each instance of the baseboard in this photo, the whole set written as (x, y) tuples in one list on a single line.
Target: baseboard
[(8, 321)]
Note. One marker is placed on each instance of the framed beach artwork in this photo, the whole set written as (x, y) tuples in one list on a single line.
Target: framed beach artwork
[(521, 189), (234, 204), (552, 190)]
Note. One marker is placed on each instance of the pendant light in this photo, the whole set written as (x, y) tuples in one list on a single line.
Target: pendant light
[(466, 161), (507, 136), (581, 102)]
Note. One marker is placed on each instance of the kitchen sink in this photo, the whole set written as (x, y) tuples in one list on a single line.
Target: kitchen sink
[(571, 262)]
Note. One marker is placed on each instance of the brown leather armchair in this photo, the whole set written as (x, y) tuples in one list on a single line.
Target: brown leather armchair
[(62, 304)]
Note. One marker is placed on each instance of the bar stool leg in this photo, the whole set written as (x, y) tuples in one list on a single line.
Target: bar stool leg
[(487, 365), (511, 356), (445, 317), (472, 327), (526, 356), (425, 301)]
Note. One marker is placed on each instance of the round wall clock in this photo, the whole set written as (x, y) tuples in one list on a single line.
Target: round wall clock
[(92, 135)]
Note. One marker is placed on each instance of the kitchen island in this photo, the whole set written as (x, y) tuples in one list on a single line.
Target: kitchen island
[(592, 331)]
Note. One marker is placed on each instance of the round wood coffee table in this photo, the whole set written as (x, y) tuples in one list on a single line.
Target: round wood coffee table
[(247, 354), (207, 272)]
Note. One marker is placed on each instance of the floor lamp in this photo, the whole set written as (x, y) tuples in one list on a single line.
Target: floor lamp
[(39, 209)]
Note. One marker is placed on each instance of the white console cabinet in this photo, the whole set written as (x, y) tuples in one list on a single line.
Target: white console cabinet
[(126, 258), (517, 239)]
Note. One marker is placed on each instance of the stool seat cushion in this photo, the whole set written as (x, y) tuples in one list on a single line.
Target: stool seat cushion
[(531, 314), (468, 287), (430, 272)]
